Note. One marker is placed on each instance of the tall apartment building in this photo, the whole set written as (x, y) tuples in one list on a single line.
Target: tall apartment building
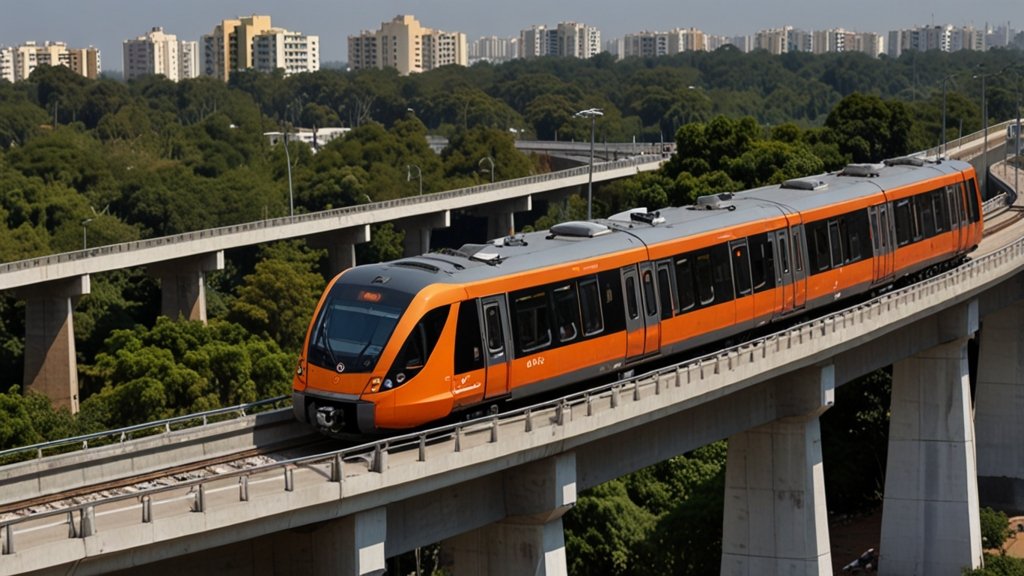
[(653, 44), (159, 53), (408, 46), (253, 43), (567, 39), (775, 40), (290, 51), (18, 62), (946, 38), (493, 49)]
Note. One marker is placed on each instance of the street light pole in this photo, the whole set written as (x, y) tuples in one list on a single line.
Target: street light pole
[(591, 113), (944, 80), (491, 162), (288, 159), (419, 174), (984, 120), (85, 227)]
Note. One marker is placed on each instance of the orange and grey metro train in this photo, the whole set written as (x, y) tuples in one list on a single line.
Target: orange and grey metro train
[(400, 344)]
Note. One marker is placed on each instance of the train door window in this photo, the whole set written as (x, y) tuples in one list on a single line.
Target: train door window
[(835, 242), (854, 227), (468, 346), (685, 283), (973, 210), (883, 227), (925, 215), (665, 290), (612, 309), (873, 222), (741, 268), (954, 206), (650, 296), (783, 254), (495, 332), (762, 261), (418, 346), (631, 298), (820, 253), (798, 251), (940, 210), (567, 311), (904, 222), (532, 324), (590, 307), (705, 283)]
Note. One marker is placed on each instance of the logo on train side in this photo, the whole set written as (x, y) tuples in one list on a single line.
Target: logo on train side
[(534, 362), (340, 367)]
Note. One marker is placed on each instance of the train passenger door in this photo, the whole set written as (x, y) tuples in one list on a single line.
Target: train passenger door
[(740, 257), (636, 335), (497, 344), (881, 242), (798, 248), (955, 216), (784, 271), (652, 316)]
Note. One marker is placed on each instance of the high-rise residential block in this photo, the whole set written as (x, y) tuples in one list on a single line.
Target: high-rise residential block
[(494, 49), (567, 39), (407, 46), (653, 44), (18, 62), (252, 43), (159, 53)]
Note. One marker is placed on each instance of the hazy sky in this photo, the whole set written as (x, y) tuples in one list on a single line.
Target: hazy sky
[(107, 23)]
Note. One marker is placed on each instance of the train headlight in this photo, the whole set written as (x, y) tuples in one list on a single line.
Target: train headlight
[(375, 384)]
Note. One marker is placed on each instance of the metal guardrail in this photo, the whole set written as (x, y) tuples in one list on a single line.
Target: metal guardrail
[(313, 216), (121, 435), (372, 458)]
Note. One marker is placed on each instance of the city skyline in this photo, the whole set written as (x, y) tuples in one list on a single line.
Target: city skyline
[(108, 23)]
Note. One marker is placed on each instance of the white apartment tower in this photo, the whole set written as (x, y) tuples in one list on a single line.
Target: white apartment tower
[(159, 53), (18, 62), (568, 39), (408, 46), (290, 51)]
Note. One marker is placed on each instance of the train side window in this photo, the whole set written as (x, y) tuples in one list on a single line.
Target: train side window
[(741, 269), (855, 231), (567, 312), (419, 345), (836, 243), (665, 290), (612, 309), (590, 307), (468, 346), (904, 222), (939, 208), (532, 324), (705, 286), (631, 296), (650, 296), (925, 215), (953, 197), (762, 261), (721, 273), (798, 251), (684, 281), (820, 255), (973, 210)]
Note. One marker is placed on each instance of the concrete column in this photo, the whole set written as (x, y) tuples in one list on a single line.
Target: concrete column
[(999, 406), (341, 246), (183, 284), (530, 540), (417, 231), (930, 522), (355, 547), (775, 519), (50, 364), (501, 216)]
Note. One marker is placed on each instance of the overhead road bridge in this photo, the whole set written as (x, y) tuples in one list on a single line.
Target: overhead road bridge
[(51, 285)]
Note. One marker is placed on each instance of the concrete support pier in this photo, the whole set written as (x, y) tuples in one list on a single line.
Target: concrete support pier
[(50, 364), (341, 246), (775, 519), (930, 523), (501, 216), (183, 284), (531, 539), (417, 231), (999, 410)]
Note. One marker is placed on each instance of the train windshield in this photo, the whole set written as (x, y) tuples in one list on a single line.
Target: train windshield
[(353, 327)]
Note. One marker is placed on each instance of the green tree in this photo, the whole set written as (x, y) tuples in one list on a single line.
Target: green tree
[(995, 529), (604, 531), (870, 129)]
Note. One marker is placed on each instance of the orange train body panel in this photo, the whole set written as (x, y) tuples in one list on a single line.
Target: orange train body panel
[(402, 344)]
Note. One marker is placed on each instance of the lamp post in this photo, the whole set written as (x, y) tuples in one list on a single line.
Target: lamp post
[(984, 120), (948, 77), (591, 113), (288, 159), (491, 162), (85, 227), (419, 174)]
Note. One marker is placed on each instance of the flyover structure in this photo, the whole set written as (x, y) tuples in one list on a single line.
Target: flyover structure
[(493, 491)]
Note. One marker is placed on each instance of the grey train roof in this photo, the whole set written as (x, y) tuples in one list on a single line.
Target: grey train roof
[(573, 241)]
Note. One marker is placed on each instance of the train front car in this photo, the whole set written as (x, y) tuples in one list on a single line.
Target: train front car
[(370, 347)]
